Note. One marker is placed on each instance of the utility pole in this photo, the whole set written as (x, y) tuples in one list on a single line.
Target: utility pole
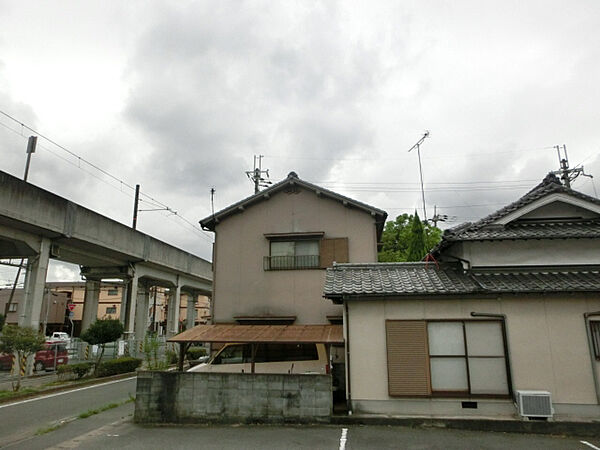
[(418, 147), (567, 175), (136, 209), (212, 201), (256, 175), (135, 206), (438, 217), (31, 144)]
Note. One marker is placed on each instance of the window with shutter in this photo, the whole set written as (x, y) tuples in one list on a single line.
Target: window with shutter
[(408, 360), (333, 249), (449, 358)]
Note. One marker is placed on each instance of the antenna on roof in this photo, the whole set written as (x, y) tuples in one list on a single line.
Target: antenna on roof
[(256, 174), (418, 147), (567, 175)]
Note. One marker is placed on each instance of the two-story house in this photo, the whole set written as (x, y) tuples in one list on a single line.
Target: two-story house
[(510, 305), (271, 251)]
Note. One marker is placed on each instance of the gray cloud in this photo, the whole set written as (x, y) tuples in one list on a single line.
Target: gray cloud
[(215, 85), (336, 91)]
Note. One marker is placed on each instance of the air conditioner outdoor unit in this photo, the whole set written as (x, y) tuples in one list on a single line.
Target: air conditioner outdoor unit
[(535, 404)]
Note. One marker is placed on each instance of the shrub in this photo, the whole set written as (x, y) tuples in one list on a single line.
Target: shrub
[(82, 369), (171, 357), (117, 366), (79, 369), (195, 353), (151, 346)]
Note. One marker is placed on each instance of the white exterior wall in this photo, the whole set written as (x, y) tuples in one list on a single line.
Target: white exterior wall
[(547, 343), (527, 253), (243, 288)]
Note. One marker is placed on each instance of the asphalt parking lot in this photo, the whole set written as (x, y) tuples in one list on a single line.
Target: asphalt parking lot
[(127, 435)]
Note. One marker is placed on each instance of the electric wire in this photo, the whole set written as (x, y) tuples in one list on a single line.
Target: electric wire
[(144, 197)]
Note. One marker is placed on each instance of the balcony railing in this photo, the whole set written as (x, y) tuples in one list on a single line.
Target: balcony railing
[(291, 262)]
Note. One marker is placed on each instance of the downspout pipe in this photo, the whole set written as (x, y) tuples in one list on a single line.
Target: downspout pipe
[(508, 358), (348, 385), (588, 332)]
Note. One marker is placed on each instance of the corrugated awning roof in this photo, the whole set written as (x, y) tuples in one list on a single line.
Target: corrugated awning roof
[(326, 334)]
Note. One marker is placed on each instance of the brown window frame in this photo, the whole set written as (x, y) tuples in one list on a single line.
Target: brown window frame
[(595, 336), (467, 393), (295, 262)]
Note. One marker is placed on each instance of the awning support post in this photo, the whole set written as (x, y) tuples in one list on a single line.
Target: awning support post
[(183, 348), (253, 357)]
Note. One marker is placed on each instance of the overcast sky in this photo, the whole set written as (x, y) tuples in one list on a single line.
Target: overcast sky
[(179, 96)]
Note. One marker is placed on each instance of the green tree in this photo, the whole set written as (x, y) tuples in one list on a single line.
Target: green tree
[(100, 333), (417, 248), (21, 341), (398, 235), (2, 321)]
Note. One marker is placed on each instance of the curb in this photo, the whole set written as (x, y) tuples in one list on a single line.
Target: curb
[(579, 429), (65, 387)]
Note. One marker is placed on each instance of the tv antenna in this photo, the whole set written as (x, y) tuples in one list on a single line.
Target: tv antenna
[(418, 147), (567, 175), (256, 175)]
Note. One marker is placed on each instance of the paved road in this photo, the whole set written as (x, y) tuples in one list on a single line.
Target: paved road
[(123, 434), (23, 418)]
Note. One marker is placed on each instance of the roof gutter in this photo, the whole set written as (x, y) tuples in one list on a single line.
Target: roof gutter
[(347, 342)]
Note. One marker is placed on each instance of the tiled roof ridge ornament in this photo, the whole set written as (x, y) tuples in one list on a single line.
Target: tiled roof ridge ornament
[(551, 178), (292, 174)]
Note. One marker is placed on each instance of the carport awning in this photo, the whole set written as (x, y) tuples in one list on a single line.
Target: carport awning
[(326, 334)]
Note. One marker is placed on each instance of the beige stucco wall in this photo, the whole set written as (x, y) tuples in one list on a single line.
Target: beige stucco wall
[(530, 252), (243, 288), (547, 342)]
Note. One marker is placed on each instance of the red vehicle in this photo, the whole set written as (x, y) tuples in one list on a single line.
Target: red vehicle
[(52, 355)]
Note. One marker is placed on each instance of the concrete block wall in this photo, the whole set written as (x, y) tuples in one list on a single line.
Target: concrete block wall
[(187, 397)]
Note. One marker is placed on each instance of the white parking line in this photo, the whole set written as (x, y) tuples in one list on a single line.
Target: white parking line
[(343, 438), (64, 392), (590, 445)]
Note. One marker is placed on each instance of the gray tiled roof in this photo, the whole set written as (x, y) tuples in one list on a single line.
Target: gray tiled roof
[(543, 281), (396, 278), (558, 230), (485, 229), (292, 180), (409, 279)]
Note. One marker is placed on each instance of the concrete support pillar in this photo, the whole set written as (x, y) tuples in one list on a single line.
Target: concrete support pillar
[(123, 310), (90, 303), (132, 293), (35, 282), (173, 317), (191, 311), (141, 315)]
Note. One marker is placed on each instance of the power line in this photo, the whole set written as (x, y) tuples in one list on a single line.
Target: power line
[(453, 156), (433, 182), (148, 198)]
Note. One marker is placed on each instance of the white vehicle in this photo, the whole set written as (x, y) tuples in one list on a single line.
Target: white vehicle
[(269, 358), (59, 336)]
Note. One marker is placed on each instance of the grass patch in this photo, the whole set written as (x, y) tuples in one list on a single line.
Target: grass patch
[(49, 429), (67, 383), (88, 413), (92, 412), (9, 394)]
